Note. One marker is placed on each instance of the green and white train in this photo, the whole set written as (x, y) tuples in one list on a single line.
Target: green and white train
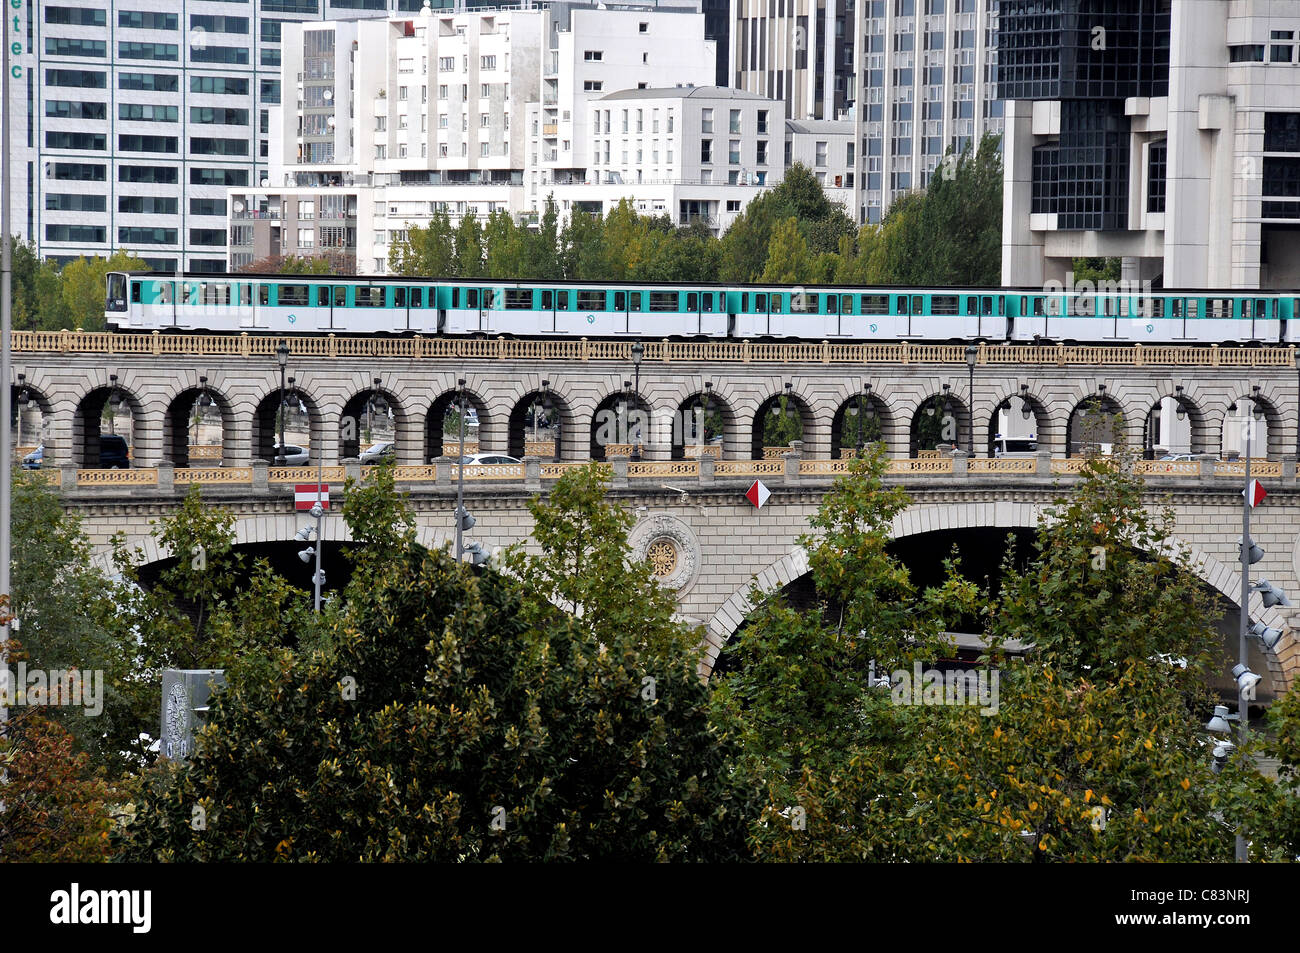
[(318, 304)]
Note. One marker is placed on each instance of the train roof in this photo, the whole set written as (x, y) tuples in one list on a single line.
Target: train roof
[(719, 285)]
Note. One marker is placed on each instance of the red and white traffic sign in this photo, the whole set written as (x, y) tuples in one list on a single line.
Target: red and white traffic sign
[(304, 496), (758, 494), (1254, 493)]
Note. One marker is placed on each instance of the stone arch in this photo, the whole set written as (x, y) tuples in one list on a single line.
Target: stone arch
[(1007, 418), (1090, 422), (34, 417), (916, 520), (437, 415), (265, 436), (797, 407), (178, 417), (875, 421), (362, 404), (952, 428), (621, 418), (537, 421), (1230, 435), (88, 420), (692, 426)]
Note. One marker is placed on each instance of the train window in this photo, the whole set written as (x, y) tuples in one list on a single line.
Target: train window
[(760, 303), (415, 297), (135, 292), (832, 304), (1024, 304), (663, 301), (1246, 308), (1038, 307), (1157, 307), (875, 304), (944, 304), (562, 300), (263, 294), (1123, 307), (216, 292), (591, 301), (1193, 307), (692, 301), (916, 304), (293, 294), (1053, 306), (455, 297), (519, 299), (1176, 307), (634, 300), (245, 295), (802, 303), (986, 305), (971, 306), (708, 302), (368, 296), (399, 297), (902, 304), (846, 304), (322, 297), (192, 294), (165, 292), (620, 300), (776, 302), (471, 297), (1261, 307), (340, 296), (548, 300)]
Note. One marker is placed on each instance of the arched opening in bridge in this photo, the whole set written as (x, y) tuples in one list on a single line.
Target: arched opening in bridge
[(779, 422), (621, 425), (1096, 424), (1017, 426), (861, 420), (442, 426), (700, 425), (980, 550), (941, 420), (1241, 425), (372, 423), (299, 418), (536, 423), (195, 427), (104, 427), (1174, 426), (30, 415)]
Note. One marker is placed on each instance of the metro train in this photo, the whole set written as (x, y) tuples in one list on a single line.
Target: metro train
[(320, 304)]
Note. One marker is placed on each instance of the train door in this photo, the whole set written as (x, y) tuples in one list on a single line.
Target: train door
[(636, 305), (548, 309), (485, 304), (324, 308)]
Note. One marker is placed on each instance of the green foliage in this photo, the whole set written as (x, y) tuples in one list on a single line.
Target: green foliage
[(782, 423), (427, 251), (789, 261), (486, 724), (1097, 269)]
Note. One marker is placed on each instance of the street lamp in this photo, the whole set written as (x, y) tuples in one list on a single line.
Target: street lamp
[(1026, 411), (972, 354), (864, 408), (1180, 409), (460, 472), (22, 405), (548, 406), (638, 351), (1245, 686), (282, 358), (112, 403)]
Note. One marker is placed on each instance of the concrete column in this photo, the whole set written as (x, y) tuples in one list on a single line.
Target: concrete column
[(442, 476), (58, 440), (736, 443), (620, 471), (575, 437), (1207, 461), (146, 439), (352, 469), (261, 475), (67, 477), (324, 438), (532, 473), (791, 461), (408, 439), (817, 438), (166, 476), (659, 442), (1043, 464), (237, 441), (1288, 467), (706, 468), (959, 458)]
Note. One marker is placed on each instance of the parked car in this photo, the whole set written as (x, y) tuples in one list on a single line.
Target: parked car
[(113, 452), (1178, 456), (486, 458), (377, 453), (293, 456), (34, 459)]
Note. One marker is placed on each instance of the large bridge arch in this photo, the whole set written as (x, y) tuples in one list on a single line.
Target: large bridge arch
[(937, 517)]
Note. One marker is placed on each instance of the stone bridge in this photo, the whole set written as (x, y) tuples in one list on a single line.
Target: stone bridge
[(707, 542)]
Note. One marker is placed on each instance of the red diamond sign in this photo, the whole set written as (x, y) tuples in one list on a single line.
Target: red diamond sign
[(758, 494)]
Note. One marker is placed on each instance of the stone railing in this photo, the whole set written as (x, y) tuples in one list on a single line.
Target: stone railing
[(532, 471), (417, 347)]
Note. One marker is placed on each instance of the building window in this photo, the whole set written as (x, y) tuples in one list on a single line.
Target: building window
[(442, 92), (820, 154), (592, 85), (762, 122), (706, 150), (306, 238), (733, 152), (381, 123), (487, 62), (761, 157), (446, 64), (145, 20), (65, 47), (706, 120), (643, 27), (402, 93), (593, 56), (733, 205), (1282, 52), (1246, 53), (734, 125), (483, 149), (1157, 159)]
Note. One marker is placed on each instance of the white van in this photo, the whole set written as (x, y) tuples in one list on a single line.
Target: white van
[(1015, 446)]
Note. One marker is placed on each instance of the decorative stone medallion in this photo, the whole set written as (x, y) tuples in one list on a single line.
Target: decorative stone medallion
[(671, 549)]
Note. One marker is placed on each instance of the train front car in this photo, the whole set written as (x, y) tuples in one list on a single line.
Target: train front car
[(115, 307)]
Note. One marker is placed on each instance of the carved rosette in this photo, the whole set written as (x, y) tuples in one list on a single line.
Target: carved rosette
[(670, 548)]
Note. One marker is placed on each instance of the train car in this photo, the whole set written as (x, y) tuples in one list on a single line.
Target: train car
[(285, 304)]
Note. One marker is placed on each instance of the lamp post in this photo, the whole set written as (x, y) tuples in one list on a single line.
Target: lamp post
[(22, 405), (1244, 688), (1297, 419), (1025, 410), (112, 403), (864, 405), (282, 357), (972, 354), (460, 469), (638, 352), (548, 406)]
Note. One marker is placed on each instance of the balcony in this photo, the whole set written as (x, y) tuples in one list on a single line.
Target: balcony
[(708, 221), (550, 129), (254, 213)]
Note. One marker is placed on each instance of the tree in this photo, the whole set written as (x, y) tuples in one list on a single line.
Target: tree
[(502, 249), (53, 811), (468, 256), (782, 424), (788, 259), (83, 283), (427, 251), (327, 262), (447, 714)]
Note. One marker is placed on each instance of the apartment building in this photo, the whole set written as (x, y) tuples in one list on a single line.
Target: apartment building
[(139, 114), (1164, 132), (915, 77)]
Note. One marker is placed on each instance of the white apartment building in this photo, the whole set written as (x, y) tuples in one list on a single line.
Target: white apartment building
[(1191, 174), (138, 115), (915, 77), (592, 52)]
